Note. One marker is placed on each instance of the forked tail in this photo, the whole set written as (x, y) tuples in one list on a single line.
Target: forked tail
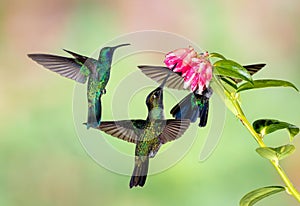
[(140, 171)]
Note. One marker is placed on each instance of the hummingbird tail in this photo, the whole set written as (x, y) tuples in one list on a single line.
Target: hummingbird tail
[(203, 105), (203, 113), (98, 110), (140, 171), (186, 109), (94, 114)]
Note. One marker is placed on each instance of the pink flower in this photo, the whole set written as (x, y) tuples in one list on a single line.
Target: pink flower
[(195, 68), (182, 57)]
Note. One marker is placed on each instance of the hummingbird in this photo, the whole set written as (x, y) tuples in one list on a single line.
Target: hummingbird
[(194, 105), (80, 68), (148, 134)]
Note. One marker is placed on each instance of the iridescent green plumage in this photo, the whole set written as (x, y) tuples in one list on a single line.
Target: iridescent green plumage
[(80, 68), (148, 135)]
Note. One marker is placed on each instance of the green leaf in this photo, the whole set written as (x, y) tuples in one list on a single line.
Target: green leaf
[(256, 195), (284, 151), (277, 153), (229, 82), (267, 126), (230, 68), (216, 55), (263, 83), (267, 152)]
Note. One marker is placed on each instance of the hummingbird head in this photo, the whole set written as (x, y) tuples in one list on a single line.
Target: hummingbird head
[(106, 53), (155, 98)]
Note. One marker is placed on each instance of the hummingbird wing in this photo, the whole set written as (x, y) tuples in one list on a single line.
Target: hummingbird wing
[(193, 106), (187, 108), (82, 59), (173, 129), (159, 74), (252, 69), (66, 67), (128, 130)]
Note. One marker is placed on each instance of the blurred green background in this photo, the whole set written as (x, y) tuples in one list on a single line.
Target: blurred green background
[(42, 160)]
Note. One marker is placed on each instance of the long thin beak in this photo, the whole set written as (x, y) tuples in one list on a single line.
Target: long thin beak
[(115, 47), (165, 80)]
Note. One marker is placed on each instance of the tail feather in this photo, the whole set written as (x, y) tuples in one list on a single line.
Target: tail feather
[(94, 114), (203, 104), (140, 171), (98, 110), (203, 113)]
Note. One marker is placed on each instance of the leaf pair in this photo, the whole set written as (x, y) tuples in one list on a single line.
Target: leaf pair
[(236, 73), (267, 126), (229, 68), (277, 153)]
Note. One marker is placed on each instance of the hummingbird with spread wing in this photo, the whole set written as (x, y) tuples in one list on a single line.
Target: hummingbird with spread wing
[(81, 68), (148, 134), (194, 105)]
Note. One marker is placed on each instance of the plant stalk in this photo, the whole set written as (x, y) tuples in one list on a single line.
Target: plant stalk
[(258, 138)]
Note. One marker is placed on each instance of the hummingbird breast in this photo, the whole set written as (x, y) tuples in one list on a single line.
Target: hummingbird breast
[(103, 76), (149, 143)]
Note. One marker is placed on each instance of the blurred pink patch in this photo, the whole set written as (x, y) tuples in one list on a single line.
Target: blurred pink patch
[(195, 68)]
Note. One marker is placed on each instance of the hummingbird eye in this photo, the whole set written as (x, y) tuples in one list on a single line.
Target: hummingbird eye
[(155, 94)]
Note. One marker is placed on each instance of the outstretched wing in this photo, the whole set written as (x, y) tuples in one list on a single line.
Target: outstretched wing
[(252, 69), (187, 108), (128, 130), (66, 67), (173, 129), (159, 74)]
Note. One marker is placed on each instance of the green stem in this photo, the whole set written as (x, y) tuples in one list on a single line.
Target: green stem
[(240, 114)]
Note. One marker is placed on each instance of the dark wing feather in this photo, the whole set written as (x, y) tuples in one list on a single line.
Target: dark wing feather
[(252, 69), (186, 109), (159, 74), (173, 129), (82, 59), (128, 130), (66, 67)]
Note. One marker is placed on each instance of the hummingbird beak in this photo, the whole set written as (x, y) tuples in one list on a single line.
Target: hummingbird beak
[(161, 87), (115, 47), (165, 80)]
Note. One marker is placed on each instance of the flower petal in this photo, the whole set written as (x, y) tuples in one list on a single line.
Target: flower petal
[(189, 81), (194, 84)]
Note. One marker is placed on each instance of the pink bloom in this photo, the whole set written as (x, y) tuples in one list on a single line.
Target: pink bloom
[(195, 68), (181, 57)]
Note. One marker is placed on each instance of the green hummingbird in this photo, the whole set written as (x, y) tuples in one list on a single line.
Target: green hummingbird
[(148, 135), (80, 68), (194, 105)]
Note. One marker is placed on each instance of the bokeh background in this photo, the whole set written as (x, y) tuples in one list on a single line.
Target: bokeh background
[(42, 160)]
